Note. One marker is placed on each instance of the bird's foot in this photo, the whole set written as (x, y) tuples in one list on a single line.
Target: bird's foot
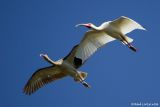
[(133, 48), (86, 84)]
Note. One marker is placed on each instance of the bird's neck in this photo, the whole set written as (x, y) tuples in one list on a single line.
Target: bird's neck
[(59, 62), (49, 60), (96, 28)]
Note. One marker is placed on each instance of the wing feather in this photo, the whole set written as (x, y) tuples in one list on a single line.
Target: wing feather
[(41, 77), (125, 24), (91, 42)]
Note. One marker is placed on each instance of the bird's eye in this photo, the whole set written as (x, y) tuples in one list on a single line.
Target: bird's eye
[(89, 25)]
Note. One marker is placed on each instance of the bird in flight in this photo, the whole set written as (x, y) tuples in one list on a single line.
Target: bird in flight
[(116, 29), (93, 39)]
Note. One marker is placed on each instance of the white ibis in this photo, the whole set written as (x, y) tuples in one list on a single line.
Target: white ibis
[(116, 29), (93, 40)]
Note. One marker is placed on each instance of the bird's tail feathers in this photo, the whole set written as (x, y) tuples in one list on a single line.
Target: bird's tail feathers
[(129, 39), (82, 74)]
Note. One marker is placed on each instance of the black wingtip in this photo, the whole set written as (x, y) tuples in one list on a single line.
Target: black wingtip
[(77, 62)]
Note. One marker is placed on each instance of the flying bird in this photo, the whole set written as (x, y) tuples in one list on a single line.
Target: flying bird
[(93, 39), (116, 29)]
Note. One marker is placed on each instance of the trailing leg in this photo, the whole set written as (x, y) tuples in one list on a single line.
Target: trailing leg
[(80, 77)]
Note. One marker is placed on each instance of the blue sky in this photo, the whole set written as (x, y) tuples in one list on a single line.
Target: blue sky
[(118, 76)]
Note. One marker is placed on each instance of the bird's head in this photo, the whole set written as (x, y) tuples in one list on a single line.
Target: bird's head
[(88, 25)]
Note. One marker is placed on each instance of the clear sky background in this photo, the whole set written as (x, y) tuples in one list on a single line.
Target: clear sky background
[(118, 76)]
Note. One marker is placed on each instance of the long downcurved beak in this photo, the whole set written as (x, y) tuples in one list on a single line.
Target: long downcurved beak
[(88, 25), (81, 25)]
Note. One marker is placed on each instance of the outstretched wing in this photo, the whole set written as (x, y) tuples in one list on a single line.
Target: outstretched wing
[(126, 25), (91, 42), (42, 77)]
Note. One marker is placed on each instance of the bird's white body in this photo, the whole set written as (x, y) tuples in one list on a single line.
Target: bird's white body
[(119, 27), (110, 30)]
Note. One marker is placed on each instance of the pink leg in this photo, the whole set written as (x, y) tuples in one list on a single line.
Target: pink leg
[(130, 46)]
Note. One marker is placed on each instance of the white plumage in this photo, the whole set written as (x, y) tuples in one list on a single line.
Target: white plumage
[(116, 29)]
